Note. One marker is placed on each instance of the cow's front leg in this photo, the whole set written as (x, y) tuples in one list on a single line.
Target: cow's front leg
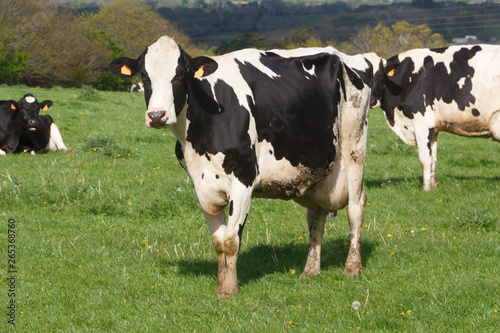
[(239, 205), (427, 153), (316, 223), (217, 227)]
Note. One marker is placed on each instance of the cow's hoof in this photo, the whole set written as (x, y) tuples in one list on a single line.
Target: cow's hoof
[(310, 274), (352, 271), (71, 150)]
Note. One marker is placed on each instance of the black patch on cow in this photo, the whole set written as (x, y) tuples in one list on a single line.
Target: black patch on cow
[(430, 139), (207, 157), (220, 124), (240, 231), (216, 176), (412, 92), (230, 207), (440, 50), (359, 78), (178, 152), (475, 112), (298, 120)]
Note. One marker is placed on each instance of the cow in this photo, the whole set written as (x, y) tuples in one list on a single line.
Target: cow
[(270, 124), (40, 133), (11, 127), (452, 89), (137, 87)]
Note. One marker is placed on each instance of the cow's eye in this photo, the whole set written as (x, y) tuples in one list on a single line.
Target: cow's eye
[(178, 76)]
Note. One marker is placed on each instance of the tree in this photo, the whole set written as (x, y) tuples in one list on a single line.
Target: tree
[(389, 41), (133, 26)]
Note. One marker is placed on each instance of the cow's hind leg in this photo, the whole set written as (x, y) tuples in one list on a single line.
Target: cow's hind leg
[(355, 212), (316, 223)]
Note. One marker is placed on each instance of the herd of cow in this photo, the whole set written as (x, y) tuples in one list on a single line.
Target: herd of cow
[(291, 124)]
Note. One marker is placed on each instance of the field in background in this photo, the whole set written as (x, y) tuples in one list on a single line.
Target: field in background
[(112, 238)]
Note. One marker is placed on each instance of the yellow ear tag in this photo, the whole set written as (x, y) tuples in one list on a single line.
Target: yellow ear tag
[(199, 72), (391, 72), (45, 108), (12, 106), (125, 70)]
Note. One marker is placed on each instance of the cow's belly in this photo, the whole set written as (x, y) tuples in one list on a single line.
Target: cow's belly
[(474, 121)]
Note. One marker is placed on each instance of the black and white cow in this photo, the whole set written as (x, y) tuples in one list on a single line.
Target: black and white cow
[(274, 124), (454, 89), (40, 133), (11, 127)]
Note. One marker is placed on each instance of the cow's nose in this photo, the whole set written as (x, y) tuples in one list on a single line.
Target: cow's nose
[(32, 124), (157, 118)]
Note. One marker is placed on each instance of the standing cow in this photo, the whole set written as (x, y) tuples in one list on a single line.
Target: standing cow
[(275, 124), (454, 89)]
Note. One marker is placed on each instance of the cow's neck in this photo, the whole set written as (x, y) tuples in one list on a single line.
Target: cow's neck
[(179, 128)]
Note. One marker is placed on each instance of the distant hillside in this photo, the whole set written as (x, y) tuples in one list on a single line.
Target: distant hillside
[(214, 21)]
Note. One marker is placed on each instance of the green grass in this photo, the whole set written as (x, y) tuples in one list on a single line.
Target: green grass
[(112, 238)]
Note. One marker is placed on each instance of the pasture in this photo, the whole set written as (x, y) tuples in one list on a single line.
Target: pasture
[(112, 238)]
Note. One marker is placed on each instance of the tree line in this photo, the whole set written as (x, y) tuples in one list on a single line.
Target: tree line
[(54, 45)]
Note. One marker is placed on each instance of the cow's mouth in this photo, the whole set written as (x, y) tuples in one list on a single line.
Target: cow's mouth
[(32, 128)]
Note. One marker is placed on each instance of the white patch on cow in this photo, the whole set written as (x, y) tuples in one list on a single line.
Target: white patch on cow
[(403, 127), (55, 141), (310, 71), (30, 99), (2, 152), (159, 57), (461, 82)]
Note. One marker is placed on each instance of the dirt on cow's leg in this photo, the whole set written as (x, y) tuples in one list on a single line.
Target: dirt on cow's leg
[(230, 281), (353, 263), (316, 222)]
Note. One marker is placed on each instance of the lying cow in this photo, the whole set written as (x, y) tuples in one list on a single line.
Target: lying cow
[(276, 124), (137, 87), (453, 89), (11, 127), (39, 133)]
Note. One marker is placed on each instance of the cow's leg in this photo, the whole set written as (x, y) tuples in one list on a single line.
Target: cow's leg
[(426, 138), (355, 212), (495, 126), (217, 227), (316, 223), (239, 205), (55, 140)]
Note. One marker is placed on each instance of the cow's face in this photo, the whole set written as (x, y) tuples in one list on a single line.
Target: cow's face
[(164, 68), (29, 108)]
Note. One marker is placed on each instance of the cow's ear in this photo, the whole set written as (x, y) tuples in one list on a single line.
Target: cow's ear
[(201, 66), (13, 104), (45, 105), (393, 71), (124, 67)]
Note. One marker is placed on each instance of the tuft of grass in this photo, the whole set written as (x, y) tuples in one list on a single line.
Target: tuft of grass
[(106, 146), (473, 219), (87, 93)]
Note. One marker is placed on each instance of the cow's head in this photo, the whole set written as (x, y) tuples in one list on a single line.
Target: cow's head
[(10, 106), (166, 71), (385, 79), (29, 108)]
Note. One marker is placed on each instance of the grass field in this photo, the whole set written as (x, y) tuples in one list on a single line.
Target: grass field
[(112, 238)]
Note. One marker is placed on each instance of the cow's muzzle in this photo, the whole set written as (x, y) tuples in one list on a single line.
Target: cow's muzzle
[(156, 118), (32, 124)]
